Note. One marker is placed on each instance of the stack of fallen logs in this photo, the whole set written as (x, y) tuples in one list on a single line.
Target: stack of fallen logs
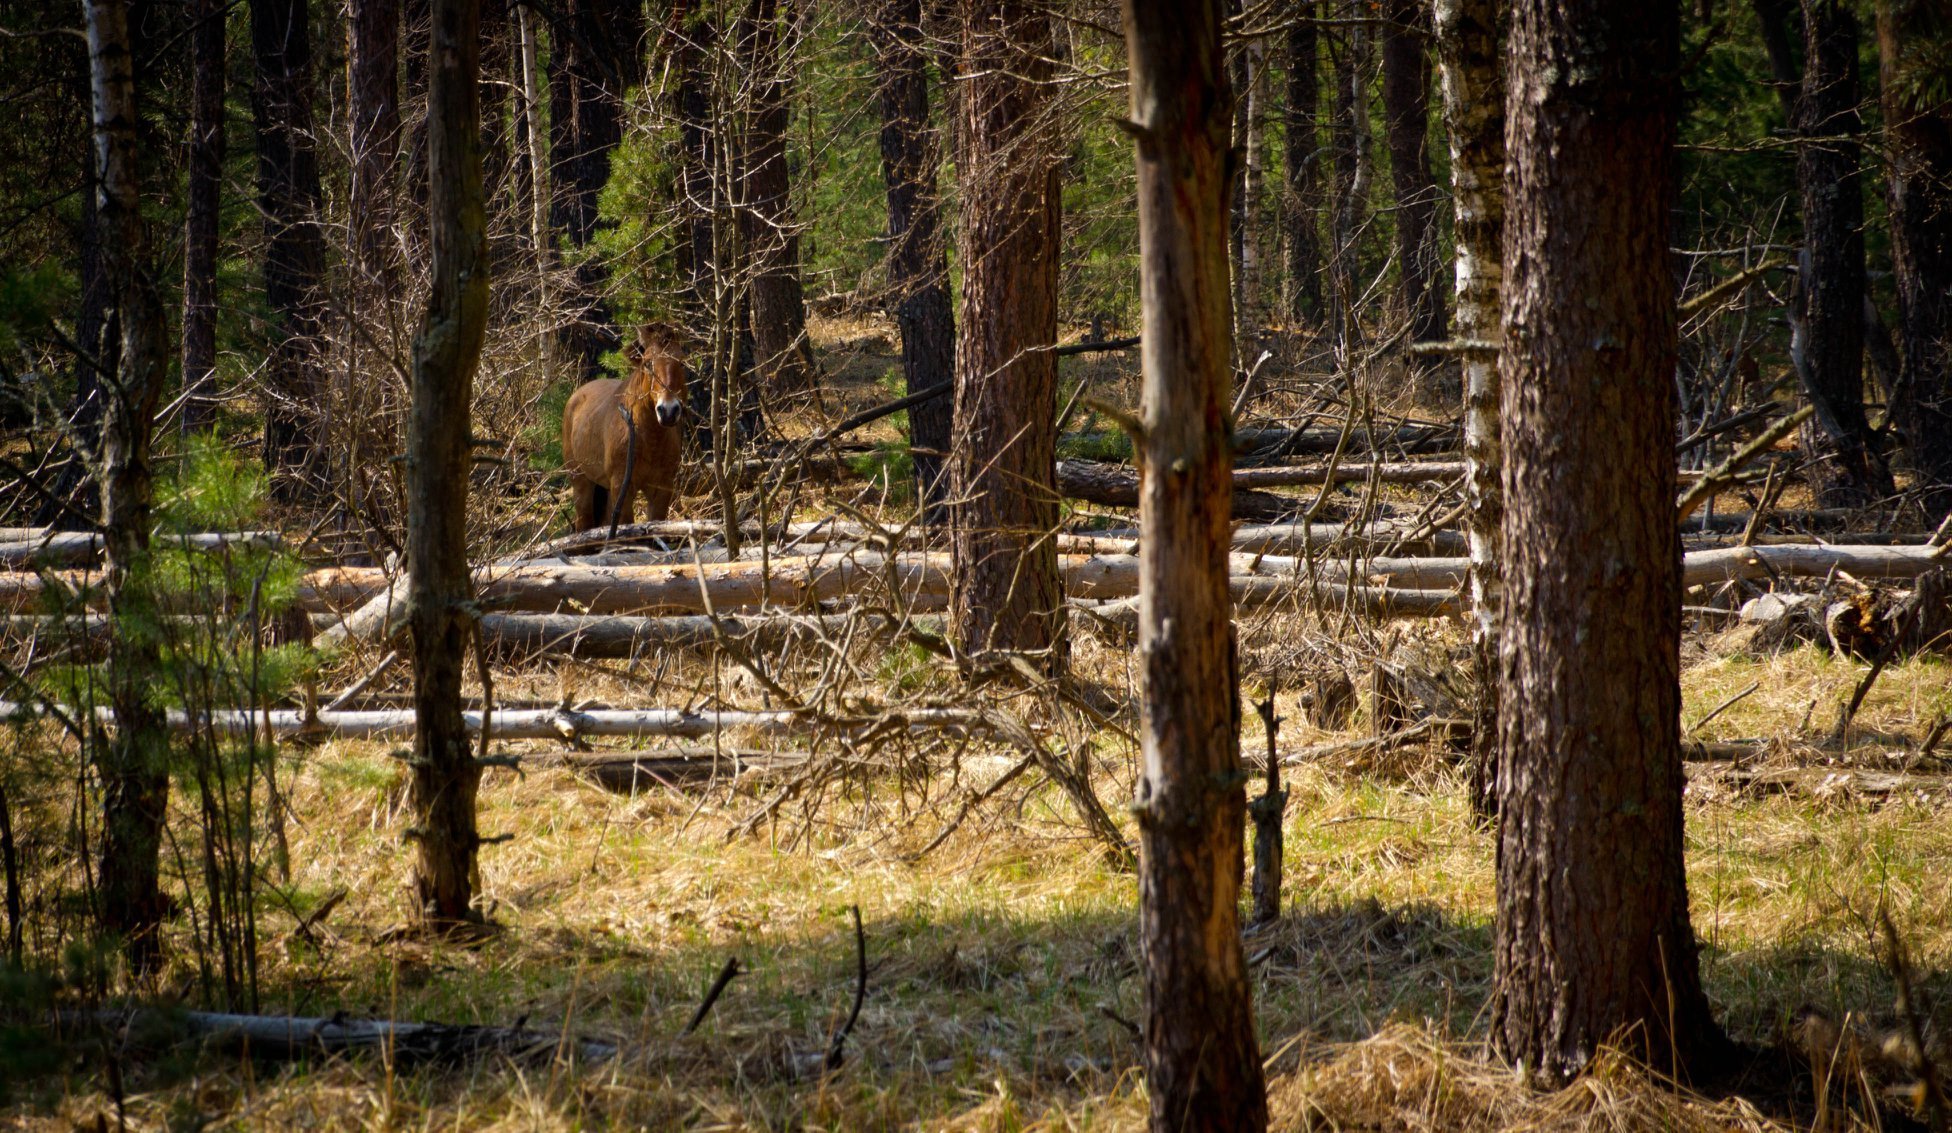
[(592, 597)]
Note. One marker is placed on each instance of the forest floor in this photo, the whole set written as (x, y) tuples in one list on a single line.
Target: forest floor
[(1003, 972)]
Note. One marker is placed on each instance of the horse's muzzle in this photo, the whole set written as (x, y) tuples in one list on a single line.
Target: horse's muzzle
[(668, 413)]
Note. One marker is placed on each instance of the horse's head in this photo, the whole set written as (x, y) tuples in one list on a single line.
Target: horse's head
[(657, 371)]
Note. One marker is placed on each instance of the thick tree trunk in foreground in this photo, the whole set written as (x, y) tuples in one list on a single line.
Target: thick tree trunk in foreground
[(772, 234), (1918, 132), (446, 352), (918, 267), (1301, 157), (294, 257), (204, 187), (1406, 112), (1008, 594), (1828, 328), (1470, 53), (1592, 940), (373, 111), (1202, 1059), (595, 54), (133, 762)]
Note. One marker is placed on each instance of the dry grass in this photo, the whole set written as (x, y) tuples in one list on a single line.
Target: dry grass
[(999, 961), (1004, 963)]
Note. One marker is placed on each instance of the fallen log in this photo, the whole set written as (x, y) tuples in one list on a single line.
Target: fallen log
[(1334, 538), (326, 589), (618, 635), (81, 548), (543, 723), (1725, 564), (1301, 475), (288, 1036), (1115, 485)]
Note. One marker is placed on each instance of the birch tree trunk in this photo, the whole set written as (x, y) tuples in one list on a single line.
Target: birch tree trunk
[(1592, 942), (1007, 592), (133, 761), (1202, 1059), (1471, 55), (446, 353)]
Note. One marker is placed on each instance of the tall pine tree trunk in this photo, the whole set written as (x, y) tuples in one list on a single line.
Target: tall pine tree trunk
[(1470, 51), (1406, 114), (1828, 323), (1592, 940), (1008, 595), (1349, 146), (133, 762), (772, 236), (203, 178), (1202, 1059), (918, 267), (373, 113), (595, 55), (445, 355), (1301, 159), (294, 253), (1918, 133)]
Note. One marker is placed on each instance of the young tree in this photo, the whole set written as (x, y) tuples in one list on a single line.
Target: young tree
[(1008, 595), (1470, 53), (203, 187), (1828, 324), (1249, 77), (294, 253), (1301, 158), (446, 352), (133, 762), (772, 234), (1592, 940), (373, 115), (918, 267), (1912, 48), (1406, 115), (1202, 1059)]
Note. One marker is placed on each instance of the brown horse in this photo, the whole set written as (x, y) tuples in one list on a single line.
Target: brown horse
[(620, 438)]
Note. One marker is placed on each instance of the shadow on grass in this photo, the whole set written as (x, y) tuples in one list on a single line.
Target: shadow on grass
[(975, 1005)]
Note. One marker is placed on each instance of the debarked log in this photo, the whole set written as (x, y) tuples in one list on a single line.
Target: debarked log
[(81, 548), (543, 723)]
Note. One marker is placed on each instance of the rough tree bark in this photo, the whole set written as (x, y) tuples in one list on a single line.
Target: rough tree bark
[(203, 187), (1592, 939), (446, 353), (1471, 56), (772, 236), (1918, 133), (1301, 157), (294, 254), (918, 267), (133, 762), (373, 115), (595, 55), (1349, 146), (1406, 115), (1828, 325), (1008, 595), (1202, 1059)]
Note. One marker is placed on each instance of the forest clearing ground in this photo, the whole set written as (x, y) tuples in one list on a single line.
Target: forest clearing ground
[(999, 961)]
